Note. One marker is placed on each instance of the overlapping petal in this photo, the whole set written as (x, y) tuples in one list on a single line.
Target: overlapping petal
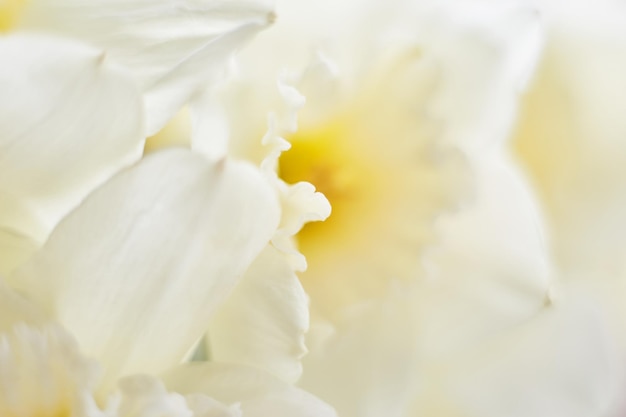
[(490, 269), (173, 48), (15, 248), (486, 51), (263, 323), (135, 272), (68, 120), (258, 393), (41, 369), (571, 134), (366, 364), (557, 364), (144, 396)]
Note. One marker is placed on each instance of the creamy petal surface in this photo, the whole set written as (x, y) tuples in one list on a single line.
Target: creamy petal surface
[(172, 48), (69, 119), (136, 271), (263, 322), (258, 393)]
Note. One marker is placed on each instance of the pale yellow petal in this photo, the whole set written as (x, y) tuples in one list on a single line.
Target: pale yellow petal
[(15, 248), (146, 396), (367, 363), (258, 393), (138, 269), (561, 363), (490, 269), (44, 374), (571, 134), (264, 321)]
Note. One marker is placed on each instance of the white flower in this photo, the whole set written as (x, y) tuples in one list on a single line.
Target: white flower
[(407, 110)]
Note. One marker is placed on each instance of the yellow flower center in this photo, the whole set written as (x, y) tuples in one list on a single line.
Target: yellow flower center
[(328, 156), (9, 13)]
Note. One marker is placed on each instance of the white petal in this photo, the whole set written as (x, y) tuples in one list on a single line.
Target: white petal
[(486, 52), (301, 204), (263, 322), (137, 270), (44, 374), (259, 393), (145, 396), (366, 366), (15, 310), (559, 364), (571, 136), (210, 130), (69, 120), (15, 248), (176, 133), (491, 269), (173, 48)]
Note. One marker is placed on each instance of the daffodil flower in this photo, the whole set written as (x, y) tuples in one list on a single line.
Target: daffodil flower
[(431, 284)]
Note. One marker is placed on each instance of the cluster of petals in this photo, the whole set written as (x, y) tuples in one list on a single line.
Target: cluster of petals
[(461, 272), (167, 246), (114, 265)]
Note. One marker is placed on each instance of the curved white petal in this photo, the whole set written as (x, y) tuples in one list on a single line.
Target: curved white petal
[(15, 248), (571, 135), (173, 48), (258, 393), (366, 365), (41, 370), (301, 205), (137, 270), (145, 396), (68, 120), (485, 52), (262, 324), (491, 268), (43, 373), (15, 310), (560, 364)]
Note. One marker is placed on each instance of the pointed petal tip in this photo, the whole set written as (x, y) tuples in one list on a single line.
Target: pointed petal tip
[(220, 164), (102, 56), (271, 17)]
